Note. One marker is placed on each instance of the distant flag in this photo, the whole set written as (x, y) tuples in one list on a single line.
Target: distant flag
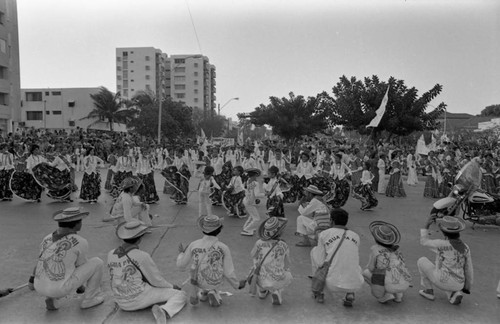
[(252, 127), (380, 111), (203, 134), (240, 137)]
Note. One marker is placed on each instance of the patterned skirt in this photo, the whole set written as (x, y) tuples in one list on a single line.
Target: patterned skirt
[(364, 192), (109, 180), (274, 206), (431, 187), (117, 182), (24, 186), (291, 195), (339, 193), (58, 183), (488, 183), (234, 203), (5, 192), (149, 194), (181, 196), (91, 186), (395, 186)]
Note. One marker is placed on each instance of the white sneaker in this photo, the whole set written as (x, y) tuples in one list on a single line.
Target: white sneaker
[(246, 233), (384, 299), (159, 314)]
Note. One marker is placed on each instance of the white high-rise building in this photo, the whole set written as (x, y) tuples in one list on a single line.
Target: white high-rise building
[(188, 78), (10, 81)]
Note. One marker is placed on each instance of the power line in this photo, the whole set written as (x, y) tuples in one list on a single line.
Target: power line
[(194, 27)]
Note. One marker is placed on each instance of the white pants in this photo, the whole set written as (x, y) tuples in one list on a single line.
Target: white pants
[(382, 182), (253, 220), (429, 277), (174, 300), (305, 225), (139, 213), (88, 274), (204, 205)]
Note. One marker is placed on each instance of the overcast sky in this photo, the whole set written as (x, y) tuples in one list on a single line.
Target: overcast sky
[(264, 48)]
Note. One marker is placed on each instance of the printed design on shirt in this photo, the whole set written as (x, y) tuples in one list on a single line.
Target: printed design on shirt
[(212, 267), (451, 268), (51, 262), (127, 285), (394, 264), (274, 265)]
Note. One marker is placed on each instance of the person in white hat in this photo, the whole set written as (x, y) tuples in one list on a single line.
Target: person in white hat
[(136, 281), (128, 205), (250, 202), (386, 271), (309, 213), (453, 271), (63, 265), (209, 261)]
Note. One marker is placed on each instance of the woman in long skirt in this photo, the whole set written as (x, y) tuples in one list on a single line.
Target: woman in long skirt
[(6, 170), (395, 186), (342, 188), (412, 170), (363, 191), (33, 190), (146, 174), (112, 160), (91, 182), (432, 182)]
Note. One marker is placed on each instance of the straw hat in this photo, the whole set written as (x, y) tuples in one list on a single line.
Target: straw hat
[(253, 170), (385, 233), (272, 228), (314, 190), (450, 224), (209, 223), (70, 214), (130, 230), (133, 182)]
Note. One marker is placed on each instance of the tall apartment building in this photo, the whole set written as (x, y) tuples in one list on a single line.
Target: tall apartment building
[(10, 81), (185, 78)]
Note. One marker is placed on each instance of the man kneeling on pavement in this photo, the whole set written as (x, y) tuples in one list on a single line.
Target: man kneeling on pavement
[(136, 281), (63, 265)]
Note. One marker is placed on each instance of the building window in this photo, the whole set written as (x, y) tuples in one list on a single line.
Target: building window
[(131, 61), (195, 64), (118, 68), (118, 59), (195, 90), (195, 99), (56, 112), (180, 78), (148, 68), (125, 75), (125, 92), (125, 83), (195, 73), (71, 104), (179, 61), (125, 65), (147, 58), (47, 93), (3, 46), (125, 54), (56, 93), (33, 96), (4, 99), (2, 18), (119, 87), (132, 90), (34, 115), (148, 87), (180, 95), (4, 72), (119, 77), (132, 80), (47, 112), (180, 87), (72, 123), (180, 69), (195, 82), (148, 77)]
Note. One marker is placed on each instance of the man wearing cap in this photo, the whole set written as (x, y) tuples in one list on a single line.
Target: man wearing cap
[(136, 281), (310, 213), (453, 272), (209, 261), (344, 274), (63, 265)]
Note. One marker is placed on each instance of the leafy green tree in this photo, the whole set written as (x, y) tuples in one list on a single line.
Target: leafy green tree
[(176, 119), (355, 102), (109, 107), (291, 117), (492, 110)]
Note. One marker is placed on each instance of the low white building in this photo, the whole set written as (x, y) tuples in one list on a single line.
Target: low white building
[(492, 124), (61, 108)]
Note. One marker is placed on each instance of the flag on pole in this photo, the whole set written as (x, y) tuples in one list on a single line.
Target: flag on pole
[(202, 133), (380, 111), (241, 141)]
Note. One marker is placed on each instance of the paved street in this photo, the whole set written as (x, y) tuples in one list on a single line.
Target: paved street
[(23, 225)]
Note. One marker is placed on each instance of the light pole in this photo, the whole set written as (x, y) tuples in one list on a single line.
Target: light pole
[(161, 93), (224, 105)]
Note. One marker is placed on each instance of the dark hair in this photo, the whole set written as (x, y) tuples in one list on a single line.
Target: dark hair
[(239, 168), (367, 166), (273, 169), (451, 236), (72, 224), (33, 148), (209, 170), (132, 240), (339, 216), (214, 233)]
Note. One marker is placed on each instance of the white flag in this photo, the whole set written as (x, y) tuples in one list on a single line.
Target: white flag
[(203, 134), (240, 137), (380, 111)]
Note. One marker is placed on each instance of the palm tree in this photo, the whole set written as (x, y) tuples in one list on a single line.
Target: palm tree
[(109, 107)]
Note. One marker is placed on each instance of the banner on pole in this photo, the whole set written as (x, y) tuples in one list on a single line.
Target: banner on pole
[(380, 111)]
